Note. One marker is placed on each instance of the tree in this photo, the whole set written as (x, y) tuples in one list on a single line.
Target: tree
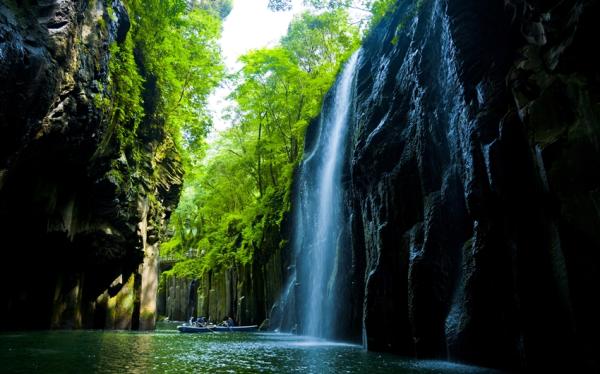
[(376, 9), (283, 5), (241, 192), (220, 8)]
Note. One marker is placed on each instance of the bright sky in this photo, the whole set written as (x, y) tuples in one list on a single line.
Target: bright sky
[(250, 25)]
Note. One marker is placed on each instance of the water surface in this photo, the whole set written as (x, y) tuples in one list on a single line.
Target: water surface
[(167, 351)]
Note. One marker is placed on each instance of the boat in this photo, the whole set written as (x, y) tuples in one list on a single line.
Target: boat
[(214, 328)]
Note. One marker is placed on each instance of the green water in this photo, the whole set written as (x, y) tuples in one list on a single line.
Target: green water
[(167, 351)]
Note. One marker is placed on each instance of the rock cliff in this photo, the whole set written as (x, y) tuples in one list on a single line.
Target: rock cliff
[(81, 213), (246, 292), (474, 182)]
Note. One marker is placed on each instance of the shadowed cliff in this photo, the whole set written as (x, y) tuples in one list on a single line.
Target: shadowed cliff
[(80, 208), (474, 183)]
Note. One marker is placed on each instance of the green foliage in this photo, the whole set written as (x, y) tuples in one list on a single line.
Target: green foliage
[(185, 269), (379, 8), (123, 94), (374, 10), (154, 102), (179, 49), (125, 86), (169, 62), (219, 8), (280, 5), (233, 206), (284, 5), (330, 4), (319, 42)]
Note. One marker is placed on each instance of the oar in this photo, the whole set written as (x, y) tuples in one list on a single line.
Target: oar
[(208, 328)]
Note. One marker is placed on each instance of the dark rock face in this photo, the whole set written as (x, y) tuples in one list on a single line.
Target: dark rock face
[(75, 231), (474, 183), (247, 292)]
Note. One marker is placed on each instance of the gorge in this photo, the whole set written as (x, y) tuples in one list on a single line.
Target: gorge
[(445, 204)]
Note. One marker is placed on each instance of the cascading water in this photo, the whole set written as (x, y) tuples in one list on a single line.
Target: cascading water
[(319, 217)]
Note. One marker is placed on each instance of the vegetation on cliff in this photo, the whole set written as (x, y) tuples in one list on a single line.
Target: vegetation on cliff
[(375, 9), (236, 199), (101, 108), (237, 192), (172, 51), (160, 76)]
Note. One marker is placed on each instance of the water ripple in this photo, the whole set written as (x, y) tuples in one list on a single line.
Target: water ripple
[(166, 352)]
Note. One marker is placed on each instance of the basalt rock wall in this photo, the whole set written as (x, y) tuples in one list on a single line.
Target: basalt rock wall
[(80, 216), (474, 182), (246, 292)]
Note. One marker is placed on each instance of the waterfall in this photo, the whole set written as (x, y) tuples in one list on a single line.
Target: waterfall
[(282, 316), (192, 299), (318, 211)]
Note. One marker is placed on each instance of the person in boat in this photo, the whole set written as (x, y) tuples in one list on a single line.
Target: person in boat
[(227, 322), (201, 321), (230, 322)]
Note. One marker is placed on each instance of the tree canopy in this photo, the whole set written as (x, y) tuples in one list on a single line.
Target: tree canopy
[(236, 199), (237, 191), (374, 9), (165, 70)]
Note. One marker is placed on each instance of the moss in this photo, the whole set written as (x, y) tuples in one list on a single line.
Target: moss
[(162, 282), (146, 314), (122, 304), (187, 269), (111, 14), (102, 24), (116, 177)]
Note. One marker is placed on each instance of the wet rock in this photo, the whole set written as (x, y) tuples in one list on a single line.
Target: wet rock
[(68, 199), (246, 292), (472, 183)]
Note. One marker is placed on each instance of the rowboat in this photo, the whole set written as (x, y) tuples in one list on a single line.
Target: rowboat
[(214, 328)]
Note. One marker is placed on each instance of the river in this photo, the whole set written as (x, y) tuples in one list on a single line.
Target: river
[(167, 351)]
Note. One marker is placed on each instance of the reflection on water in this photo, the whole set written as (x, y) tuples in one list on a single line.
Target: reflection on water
[(167, 351)]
